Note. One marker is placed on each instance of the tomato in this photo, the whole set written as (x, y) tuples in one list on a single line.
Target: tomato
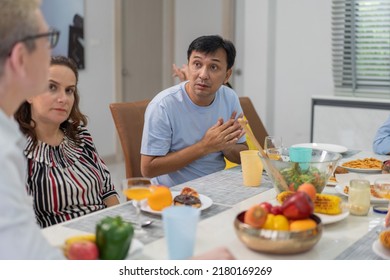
[(267, 206)]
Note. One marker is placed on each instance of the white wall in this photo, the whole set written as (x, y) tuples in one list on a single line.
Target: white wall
[(194, 19), (97, 82), (254, 58), (302, 64)]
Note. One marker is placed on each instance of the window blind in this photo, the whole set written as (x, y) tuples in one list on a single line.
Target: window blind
[(361, 45)]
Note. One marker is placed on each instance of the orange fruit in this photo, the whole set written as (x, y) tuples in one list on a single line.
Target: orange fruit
[(255, 216), (160, 198), (304, 224), (309, 189)]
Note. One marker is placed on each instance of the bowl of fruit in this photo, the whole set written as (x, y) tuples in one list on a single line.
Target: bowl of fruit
[(316, 169), (280, 229)]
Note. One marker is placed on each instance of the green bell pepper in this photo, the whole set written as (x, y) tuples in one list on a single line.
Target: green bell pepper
[(113, 238)]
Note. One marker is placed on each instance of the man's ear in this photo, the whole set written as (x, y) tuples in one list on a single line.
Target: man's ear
[(228, 74), (17, 59)]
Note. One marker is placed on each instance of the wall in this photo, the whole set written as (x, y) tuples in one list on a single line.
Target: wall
[(254, 58), (193, 19), (302, 64), (97, 82), (286, 59)]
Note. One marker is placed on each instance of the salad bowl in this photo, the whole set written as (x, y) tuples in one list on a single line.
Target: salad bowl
[(315, 170)]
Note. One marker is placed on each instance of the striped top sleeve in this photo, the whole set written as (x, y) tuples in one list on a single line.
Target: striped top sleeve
[(66, 181)]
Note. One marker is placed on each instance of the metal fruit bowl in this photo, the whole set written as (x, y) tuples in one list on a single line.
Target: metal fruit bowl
[(277, 241), (316, 171)]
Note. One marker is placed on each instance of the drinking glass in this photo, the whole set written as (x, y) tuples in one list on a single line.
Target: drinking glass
[(273, 142), (137, 189), (273, 146), (382, 188)]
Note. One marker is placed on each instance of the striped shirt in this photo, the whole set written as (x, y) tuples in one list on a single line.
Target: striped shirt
[(66, 181)]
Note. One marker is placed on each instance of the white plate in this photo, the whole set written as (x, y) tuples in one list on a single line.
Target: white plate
[(329, 219), (135, 248), (323, 146), (363, 170), (206, 203), (380, 250), (340, 189)]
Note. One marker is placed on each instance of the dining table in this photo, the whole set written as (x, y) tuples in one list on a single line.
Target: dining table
[(347, 238)]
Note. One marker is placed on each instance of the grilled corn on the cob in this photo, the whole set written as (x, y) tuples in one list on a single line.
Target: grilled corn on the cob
[(281, 197), (327, 204), (324, 203)]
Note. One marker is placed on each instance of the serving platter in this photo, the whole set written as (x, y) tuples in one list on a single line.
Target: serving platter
[(363, 165), (363, 170), (206, 203)]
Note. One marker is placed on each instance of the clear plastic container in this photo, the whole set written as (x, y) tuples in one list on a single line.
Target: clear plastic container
[(359, 197)]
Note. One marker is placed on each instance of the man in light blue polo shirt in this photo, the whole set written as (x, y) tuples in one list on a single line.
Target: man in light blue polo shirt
[(189, 128), (381, 143)]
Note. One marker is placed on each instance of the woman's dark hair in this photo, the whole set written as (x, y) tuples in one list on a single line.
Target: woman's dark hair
[(69, 126), (210, 44)]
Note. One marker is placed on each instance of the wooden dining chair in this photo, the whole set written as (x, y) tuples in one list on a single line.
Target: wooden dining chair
[(254, 120), (129, 122)]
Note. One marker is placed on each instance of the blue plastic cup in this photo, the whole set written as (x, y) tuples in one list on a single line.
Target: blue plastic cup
[(180, 224), (301, 155)]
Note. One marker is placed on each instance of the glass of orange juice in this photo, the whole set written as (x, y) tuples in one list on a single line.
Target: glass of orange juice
[(273, 147), (382, 187), (137, 189)]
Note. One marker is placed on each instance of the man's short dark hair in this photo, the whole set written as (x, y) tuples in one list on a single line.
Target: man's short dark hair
[(210, 44)]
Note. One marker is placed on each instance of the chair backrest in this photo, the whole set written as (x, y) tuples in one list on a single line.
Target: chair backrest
[(129, 121), (254, 120)]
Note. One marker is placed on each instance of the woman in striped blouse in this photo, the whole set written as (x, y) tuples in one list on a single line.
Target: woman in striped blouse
[(66, 176)]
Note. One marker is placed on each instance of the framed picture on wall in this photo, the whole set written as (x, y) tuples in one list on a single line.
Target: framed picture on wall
[(68, 17)]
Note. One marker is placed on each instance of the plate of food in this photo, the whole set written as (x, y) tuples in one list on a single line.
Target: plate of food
[(186, 196), (365, 165), (323, 146), (330, 219), (332, 181), (380, 250), (375, 198)]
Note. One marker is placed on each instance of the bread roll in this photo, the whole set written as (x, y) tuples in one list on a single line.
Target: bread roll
[(384, 238)]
